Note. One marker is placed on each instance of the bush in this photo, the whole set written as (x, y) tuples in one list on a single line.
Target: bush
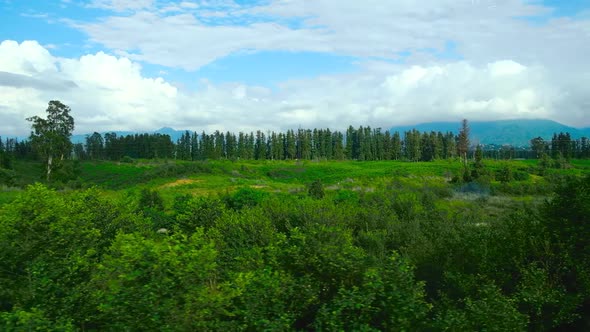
[(66, 171), (177, 170), (521, 176), (462, 176), (7, 177), (75, 184), (244, 198), (504, 174), (343, 196), (316, 189), (127, 160), (5, 160), (32, 320), (150, 199), (194, 212)]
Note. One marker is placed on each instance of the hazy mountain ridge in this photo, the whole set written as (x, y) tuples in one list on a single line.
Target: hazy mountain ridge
[(517, 132)]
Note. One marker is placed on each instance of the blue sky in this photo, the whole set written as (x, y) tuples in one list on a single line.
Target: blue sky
[(275, 64), (44, 21)]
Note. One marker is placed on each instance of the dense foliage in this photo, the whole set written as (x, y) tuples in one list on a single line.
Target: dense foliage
[(406, 253)]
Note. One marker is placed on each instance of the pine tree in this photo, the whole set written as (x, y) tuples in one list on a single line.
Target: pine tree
[(396, 146), (463, 141), (338, 145), (290, 145), (195, 147)]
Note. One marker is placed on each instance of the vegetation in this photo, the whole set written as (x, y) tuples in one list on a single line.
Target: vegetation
[(222, 244), (387, 252), (51, 136)]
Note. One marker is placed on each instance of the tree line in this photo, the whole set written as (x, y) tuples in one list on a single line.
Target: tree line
[(50, 138), (561, 145), (365, 144)]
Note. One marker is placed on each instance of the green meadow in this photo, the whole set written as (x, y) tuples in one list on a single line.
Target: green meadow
[(203, 178)]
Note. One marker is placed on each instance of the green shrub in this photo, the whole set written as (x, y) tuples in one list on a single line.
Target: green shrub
[(191, 213), (244, 198), (150, 199), (31, 320), (504, 174), (177, 170), (127, 160), (343, 196), (316, 189), (7, 177), (66, 171), (5, 160), (75, 184), (521, 175)]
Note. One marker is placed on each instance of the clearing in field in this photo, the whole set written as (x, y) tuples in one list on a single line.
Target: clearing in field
[(180, 182)]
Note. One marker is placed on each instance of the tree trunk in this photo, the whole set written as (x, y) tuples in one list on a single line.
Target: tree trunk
[(49, 165)]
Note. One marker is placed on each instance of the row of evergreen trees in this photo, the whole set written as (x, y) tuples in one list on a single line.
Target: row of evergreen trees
[(363, 143), (561, 145), (13, 148)]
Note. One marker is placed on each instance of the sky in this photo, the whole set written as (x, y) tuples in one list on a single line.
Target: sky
[(284, 64)]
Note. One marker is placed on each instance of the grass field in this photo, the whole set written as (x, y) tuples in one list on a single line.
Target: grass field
[(173, 178)]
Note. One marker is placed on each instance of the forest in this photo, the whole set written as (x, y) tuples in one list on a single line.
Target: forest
[(308, 230)]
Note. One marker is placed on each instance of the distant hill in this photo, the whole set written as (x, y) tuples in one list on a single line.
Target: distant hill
[(514, 132)]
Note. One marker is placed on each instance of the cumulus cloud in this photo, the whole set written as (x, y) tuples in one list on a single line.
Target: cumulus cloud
[(107, 92)]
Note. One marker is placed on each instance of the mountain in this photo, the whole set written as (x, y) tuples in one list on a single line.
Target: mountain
[(517, 132), (173, 133)]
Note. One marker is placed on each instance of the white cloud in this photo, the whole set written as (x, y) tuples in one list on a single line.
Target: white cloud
[(101, 87), (182, 41), (483, 31), (121, 5), (509, 66), (505, 68), (27, 58), (186, 4), (111, 93)]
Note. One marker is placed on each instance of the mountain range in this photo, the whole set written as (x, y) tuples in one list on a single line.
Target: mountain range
[(513, 132), (517, 132)]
